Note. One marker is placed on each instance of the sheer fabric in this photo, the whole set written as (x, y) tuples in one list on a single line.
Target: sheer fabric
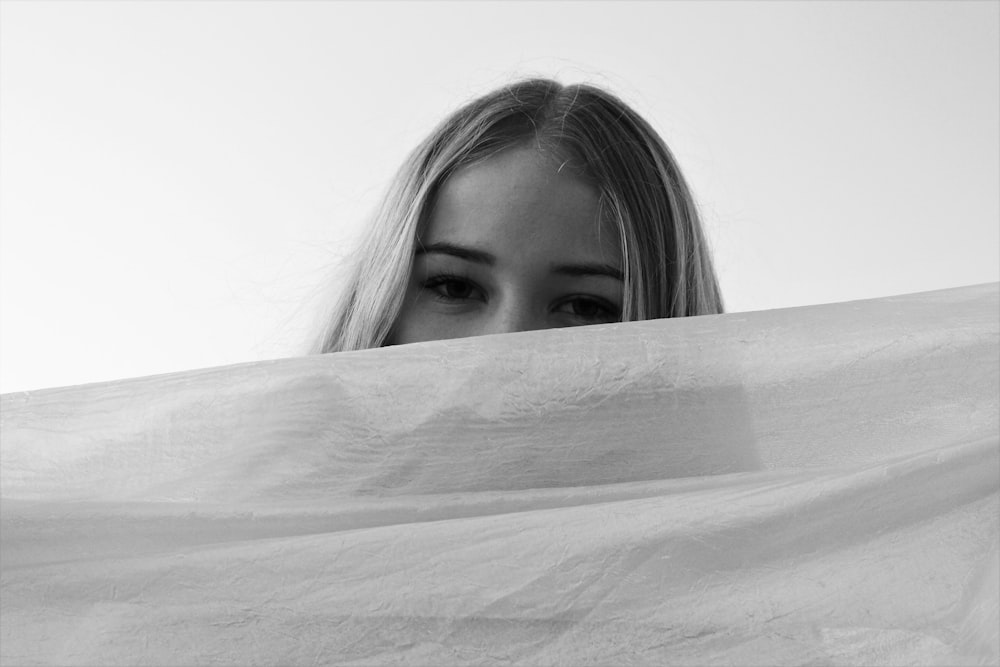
[(816, 485)]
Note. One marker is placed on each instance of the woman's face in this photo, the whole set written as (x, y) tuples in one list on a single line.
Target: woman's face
[(513, 243)]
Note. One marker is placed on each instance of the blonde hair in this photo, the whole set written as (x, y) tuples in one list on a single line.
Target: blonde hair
[(666, 262)]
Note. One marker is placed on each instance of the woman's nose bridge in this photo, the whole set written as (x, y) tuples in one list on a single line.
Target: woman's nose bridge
[(514, 314)]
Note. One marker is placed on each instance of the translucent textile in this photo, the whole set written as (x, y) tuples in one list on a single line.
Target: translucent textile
[(816, 485)]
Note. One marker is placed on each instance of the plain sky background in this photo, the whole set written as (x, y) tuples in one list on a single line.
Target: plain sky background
[(180, 181)]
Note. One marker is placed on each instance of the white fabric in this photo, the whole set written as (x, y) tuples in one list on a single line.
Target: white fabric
[(814, 485)]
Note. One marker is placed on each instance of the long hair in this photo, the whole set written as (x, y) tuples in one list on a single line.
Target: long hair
[(667, 265)]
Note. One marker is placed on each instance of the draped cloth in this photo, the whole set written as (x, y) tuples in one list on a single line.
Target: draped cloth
[(806, 486)]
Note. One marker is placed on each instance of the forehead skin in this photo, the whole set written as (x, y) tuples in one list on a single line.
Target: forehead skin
[(520, 206)]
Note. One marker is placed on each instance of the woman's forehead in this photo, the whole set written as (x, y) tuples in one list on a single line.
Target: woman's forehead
[(521, 200)]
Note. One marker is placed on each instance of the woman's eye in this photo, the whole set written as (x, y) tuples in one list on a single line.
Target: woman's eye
[(590, 310), (586, 308), (451, 288)]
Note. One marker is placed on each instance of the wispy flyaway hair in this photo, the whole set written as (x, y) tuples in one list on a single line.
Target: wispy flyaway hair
[(667, 265)]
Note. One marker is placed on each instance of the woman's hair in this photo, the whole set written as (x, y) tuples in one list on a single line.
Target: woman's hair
[(667, 266)]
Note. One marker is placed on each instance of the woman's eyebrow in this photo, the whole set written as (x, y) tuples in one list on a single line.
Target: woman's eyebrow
[(588, 270), (483, 257), (462, 252)]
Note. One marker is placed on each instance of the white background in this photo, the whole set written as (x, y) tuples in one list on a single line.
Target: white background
[(180, 181)]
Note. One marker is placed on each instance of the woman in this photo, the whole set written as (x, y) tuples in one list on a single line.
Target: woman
[(538, 205)]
